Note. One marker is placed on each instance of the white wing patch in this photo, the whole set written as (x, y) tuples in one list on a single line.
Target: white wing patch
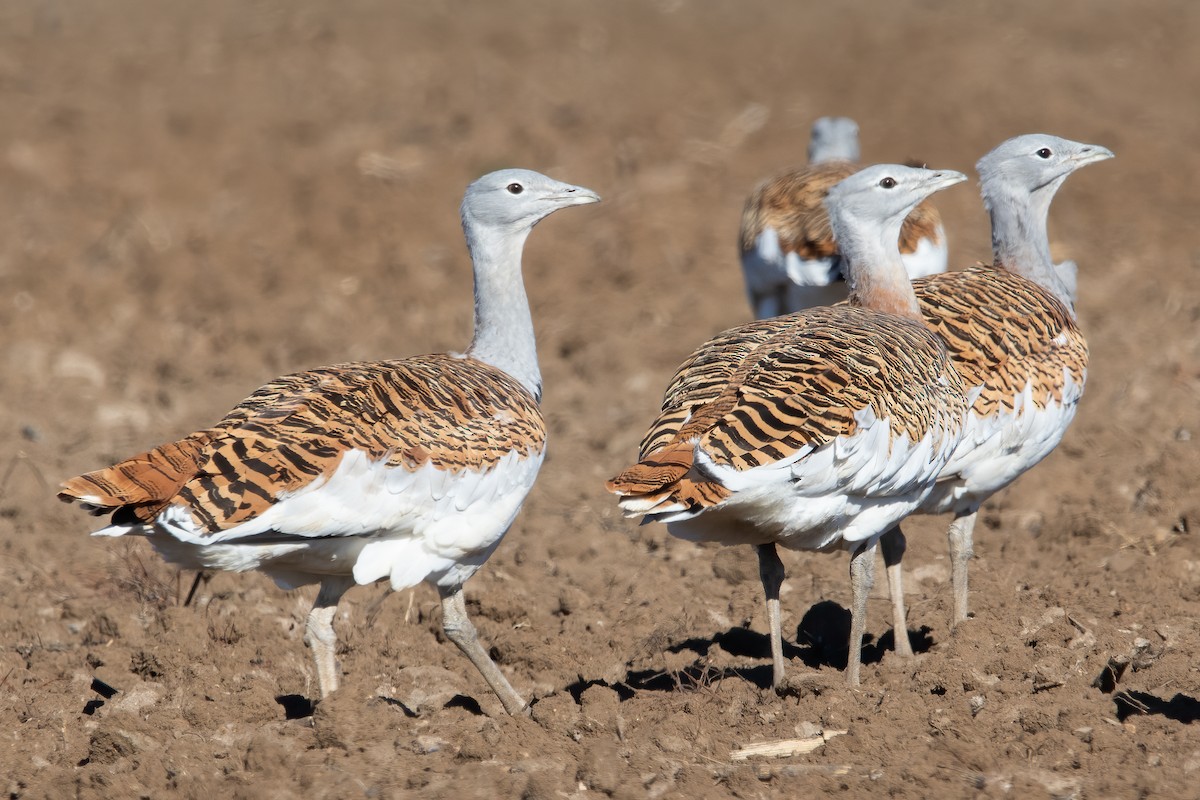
[(929, 258)]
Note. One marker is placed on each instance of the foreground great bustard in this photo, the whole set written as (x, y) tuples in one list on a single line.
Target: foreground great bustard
[(790, 257), (815, 430), (409, 470), (1011, 328)]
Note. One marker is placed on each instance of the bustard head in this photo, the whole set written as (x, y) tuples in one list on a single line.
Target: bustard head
[(833, 139), (514, 200), (1034, 164), (884, 194)]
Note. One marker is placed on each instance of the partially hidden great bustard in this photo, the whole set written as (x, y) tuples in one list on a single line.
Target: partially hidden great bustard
[(409, 470), (1011, 328), (815, 430), (790, 256)]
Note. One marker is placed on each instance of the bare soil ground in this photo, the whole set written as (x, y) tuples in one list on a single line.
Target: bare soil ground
[(198, 197)]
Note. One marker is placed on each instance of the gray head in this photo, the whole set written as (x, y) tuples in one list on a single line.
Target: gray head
[(1018, 180), (833, 139), (1034, 164), (883, 195), (514, 200)]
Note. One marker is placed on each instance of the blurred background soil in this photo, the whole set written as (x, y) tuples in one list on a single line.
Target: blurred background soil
[(198, 197)]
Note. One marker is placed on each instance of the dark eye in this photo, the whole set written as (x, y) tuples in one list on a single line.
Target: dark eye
[(888, 183), (515, 188), (1044, 153)]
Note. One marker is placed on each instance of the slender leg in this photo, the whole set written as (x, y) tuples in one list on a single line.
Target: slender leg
[(893, 545), (862, 576), (318, 631), (770, 570), (960, 553), (460, 631)]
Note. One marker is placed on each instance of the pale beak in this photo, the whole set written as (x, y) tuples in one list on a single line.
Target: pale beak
[(1090, 153), (576, 195)]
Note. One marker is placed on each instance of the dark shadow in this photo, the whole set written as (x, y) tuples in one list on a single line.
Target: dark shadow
[(825, 632), (391, 701), (468, 703), (920, 639), (822, 638), (745, 643), (1179, 708), (92, 706), (577, 689), (295, 706)]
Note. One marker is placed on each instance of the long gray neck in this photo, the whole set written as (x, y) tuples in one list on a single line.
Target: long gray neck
[(503, 326), (875, 273), (1020, 242)]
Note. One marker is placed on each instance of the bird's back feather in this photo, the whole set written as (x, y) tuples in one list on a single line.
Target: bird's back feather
[(445, 412), (773, 391)]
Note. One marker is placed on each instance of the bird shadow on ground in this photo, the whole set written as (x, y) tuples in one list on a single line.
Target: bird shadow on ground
[(821, 642), (1179, 708), (824, 632)]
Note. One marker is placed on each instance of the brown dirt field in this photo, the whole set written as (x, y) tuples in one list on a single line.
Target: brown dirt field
[(199, 197)]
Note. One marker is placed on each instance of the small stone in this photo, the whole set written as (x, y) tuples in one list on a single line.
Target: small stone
[(424, 744), (424, 689), (138, 698), (808, 730)]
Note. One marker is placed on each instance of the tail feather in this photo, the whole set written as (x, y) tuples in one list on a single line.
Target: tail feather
[(663, 484), (654, 472), (143, 484)]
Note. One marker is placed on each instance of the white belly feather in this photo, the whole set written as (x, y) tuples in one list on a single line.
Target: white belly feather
[(841, 493), (368, 520), (996, 450)]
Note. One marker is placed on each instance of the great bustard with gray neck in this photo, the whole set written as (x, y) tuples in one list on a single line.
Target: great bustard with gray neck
[(815, 430), (790, 255), (1010, 327), (407, 471)]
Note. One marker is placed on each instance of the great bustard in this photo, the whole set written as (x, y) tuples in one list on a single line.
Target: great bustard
[(815, 430), (409, 470), (1010, 327)]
